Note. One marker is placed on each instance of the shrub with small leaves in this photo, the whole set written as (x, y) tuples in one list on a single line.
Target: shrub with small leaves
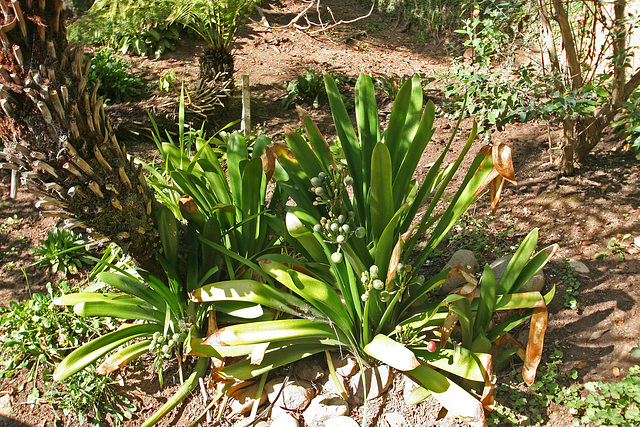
[(117, 84)]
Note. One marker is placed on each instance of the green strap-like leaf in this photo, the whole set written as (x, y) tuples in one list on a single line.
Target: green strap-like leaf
[(244, 370), (381, 204), (237, 155), (305, 156), (392, 353), (453, 397), (134, 287), (517, 263), (461, 362), (486, 304), (123, 308), (404, 120), (350, 143), (368, 127), (93, 350), (321, 295), (272, 331), (414, 153), (255, 292)]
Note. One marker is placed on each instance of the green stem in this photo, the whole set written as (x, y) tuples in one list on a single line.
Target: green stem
[(388, 311), (334, 376), (181, 394), (366, 336)]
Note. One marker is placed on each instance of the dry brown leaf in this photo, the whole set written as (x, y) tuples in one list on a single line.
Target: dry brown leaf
[(616, 371), (113, 363), (447, 327), (537, 330), (503, 162)]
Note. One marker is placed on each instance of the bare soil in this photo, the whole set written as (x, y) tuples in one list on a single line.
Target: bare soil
[(581, 213)]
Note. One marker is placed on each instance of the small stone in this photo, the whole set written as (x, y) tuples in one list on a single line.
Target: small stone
[(342, 421), (378, 378), (295, 396), (323, 408), (394, 419), (499, 266), (284, 419), (329, 385), (309, 370), (345, 366), (636, 241), (6, 409), (242, 400), (579, 267), (465, 258)]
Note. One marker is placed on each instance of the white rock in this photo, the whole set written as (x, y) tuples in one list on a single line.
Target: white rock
[(296, 396), (394, 419), (329, 385), (285, 419), (6, 409), (242, 400), (323, 408), (342, 421), (636, 241), (499, 266), (344, 365), (578, 267), (465, 258), (378, 379), (309, 370)]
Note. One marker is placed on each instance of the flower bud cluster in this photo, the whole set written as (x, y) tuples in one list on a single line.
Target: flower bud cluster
[(328, 188), (404, 277), (163, 345), (371, 281), (338, 229)]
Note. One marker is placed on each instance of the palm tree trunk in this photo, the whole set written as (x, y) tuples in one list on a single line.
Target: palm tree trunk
[(54, 129)]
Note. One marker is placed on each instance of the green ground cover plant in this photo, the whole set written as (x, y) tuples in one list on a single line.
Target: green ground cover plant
[(116, 83), (64, 251), (37, 334)]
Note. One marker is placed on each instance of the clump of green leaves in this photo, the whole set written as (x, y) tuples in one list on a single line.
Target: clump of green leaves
[(35, 335), (63, 251), (616, 246), (11, 223), (117, 84), (307, 88), (628, 123), (91, 397), (607, 404), (569, 276), (516, 405), (128, 26), (389, 85)]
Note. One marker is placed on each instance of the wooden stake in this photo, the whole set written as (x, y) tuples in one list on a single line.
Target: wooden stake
[(246, 106)]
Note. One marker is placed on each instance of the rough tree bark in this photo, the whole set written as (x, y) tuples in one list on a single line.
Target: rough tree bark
[(55, 132)]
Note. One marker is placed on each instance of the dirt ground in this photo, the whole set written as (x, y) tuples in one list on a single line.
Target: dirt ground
[(581, 213)]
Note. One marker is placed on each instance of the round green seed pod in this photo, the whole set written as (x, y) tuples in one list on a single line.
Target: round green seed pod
[(378, 284), (315, 181), (336, 257), (360, 232)]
